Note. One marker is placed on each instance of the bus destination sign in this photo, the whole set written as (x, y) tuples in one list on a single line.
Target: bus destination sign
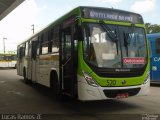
[(111, 14)]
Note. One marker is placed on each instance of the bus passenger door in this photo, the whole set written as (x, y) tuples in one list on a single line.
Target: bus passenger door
[(67, 72), (19, 65), (29, 62), (34, 54)]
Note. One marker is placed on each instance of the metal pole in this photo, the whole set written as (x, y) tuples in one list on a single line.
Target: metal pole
[(4, 44), (33, 28)]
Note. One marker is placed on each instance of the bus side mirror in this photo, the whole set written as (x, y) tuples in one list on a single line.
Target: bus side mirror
[(78, 33), (75, 37)]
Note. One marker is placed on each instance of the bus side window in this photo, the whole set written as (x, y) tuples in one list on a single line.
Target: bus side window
[(50, 39), (41, 41), (34, 47), (150, 48), (158, 46), (21, 52), (38, 50), (26, 49), (38, 46), (55, 42), (44, 44), (18, 52), (45, 48), (29, 48)]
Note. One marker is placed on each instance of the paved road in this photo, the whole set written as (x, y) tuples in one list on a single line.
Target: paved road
[(17, 97)]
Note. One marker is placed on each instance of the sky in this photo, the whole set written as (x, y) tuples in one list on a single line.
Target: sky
[(17, 26)]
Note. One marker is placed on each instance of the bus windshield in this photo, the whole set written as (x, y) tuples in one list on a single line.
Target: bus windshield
[(102, 51)]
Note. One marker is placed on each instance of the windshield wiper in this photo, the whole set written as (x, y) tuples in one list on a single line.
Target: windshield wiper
[(126, 38), (116, 41), (126, 42), (111, 35)]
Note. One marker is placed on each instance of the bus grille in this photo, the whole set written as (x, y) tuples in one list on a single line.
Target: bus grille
[(114, 93)]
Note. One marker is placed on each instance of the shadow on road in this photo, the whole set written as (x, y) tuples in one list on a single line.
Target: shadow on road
[(7, 68), (90, 107), (155, 84)]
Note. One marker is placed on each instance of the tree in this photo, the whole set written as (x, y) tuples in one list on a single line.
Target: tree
[(152, 28)]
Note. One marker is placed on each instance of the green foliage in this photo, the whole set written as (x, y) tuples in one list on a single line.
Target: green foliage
[(152, 28)]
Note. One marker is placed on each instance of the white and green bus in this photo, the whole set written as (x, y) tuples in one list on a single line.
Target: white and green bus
[(90, 53)]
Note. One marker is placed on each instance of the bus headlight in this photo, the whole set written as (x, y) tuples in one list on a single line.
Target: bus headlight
[(89, 79), (154, 68), (147, 78)]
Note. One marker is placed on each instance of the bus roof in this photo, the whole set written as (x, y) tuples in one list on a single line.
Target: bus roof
[(99, 13)]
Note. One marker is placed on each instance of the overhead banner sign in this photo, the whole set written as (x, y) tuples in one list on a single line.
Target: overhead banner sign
[(112, 14)]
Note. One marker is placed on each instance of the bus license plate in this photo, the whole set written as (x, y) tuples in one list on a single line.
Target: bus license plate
[(121, 96)]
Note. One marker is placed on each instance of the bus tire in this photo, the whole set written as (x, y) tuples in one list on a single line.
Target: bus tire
[(54, 86), (24, 76), (15, 67)]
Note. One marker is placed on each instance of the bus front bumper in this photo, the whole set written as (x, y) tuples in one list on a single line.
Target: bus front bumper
[(87, 92)]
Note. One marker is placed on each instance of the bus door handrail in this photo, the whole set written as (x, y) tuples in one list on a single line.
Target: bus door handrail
[(66, 61)]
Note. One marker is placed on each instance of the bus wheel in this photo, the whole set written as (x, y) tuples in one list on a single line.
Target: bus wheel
[(24, 76), (15, 67)]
